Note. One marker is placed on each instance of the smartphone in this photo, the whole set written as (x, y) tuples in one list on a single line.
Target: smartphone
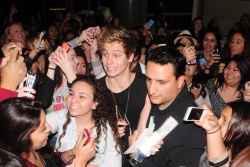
[(194, 114), (192, 62), (86, 135), (65, 46), (40, 39), (202, 61), (150, 23), (95, 31), (31, 82)]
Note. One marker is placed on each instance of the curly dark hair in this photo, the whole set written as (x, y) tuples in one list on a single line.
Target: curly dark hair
[(104, 113)]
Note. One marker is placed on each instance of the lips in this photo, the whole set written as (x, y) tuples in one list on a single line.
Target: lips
[(153, 96)]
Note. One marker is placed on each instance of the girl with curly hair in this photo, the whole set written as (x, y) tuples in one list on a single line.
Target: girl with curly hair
[(88, 108)]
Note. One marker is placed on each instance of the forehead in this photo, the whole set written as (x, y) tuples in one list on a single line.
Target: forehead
[(209, 35), (114, 46), (159, 72), (237, 36), (83, 87), (232, 63), (80, 59), (16, 26), (227, 112), (52, 28)]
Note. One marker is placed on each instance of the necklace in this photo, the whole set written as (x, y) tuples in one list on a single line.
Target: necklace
[(117, 111)]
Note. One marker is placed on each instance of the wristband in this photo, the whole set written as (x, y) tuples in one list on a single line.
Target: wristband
[(214, 131)]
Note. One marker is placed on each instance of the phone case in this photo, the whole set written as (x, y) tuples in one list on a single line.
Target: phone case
[(86, 135), (66, 46), (150, 23), (40, 39)]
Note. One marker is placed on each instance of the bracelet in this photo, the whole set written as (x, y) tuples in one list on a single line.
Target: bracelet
[(52, 68), (214, 131), (207, 68)]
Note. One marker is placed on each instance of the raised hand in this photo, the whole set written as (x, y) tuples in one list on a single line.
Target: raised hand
[(13, 70)]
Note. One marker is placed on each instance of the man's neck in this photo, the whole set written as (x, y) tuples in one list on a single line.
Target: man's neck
[(119, 83)]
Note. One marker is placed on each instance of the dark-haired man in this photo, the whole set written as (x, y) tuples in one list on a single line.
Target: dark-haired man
[(168, 92)]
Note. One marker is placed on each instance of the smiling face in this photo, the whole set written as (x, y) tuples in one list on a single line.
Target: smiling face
[(115, 61), (40, 136), (209, 42), (80, 101), (232, 74), (16, 33), (53, 32), (237, 44), (162, 85), (225, 117)]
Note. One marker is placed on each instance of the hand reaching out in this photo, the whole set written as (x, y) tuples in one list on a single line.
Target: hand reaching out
[(196, 91), (8, 49), (189, 53), (209, 122), (13, 70), (83, 152)]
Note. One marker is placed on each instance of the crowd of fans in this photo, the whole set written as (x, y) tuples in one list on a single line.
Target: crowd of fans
[(113, 81)]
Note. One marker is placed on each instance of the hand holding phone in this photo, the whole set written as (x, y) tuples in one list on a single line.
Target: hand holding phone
[(194, 114), (38, 45), (86, 135), (216, 56)]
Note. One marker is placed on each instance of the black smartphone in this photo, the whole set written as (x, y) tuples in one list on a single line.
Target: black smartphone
[(194, 114)]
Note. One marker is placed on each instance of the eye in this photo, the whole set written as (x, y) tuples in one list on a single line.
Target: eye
[(162, 82), (44, 128), (116, 56), (71, 94), (104, 54), (82, 97), (236, 69)]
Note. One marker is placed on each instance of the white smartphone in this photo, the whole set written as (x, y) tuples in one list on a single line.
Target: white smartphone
[(194, 114)]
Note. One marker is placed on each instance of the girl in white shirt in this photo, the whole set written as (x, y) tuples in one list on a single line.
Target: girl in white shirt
[(89, 107)]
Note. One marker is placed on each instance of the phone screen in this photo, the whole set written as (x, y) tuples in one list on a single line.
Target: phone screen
[(195, 114)]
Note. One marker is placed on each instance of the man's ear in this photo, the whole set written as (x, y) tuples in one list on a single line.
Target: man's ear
[(181, 81), (131, 58)]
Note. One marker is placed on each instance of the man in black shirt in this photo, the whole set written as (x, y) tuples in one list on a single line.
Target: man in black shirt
[(168, 92)]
